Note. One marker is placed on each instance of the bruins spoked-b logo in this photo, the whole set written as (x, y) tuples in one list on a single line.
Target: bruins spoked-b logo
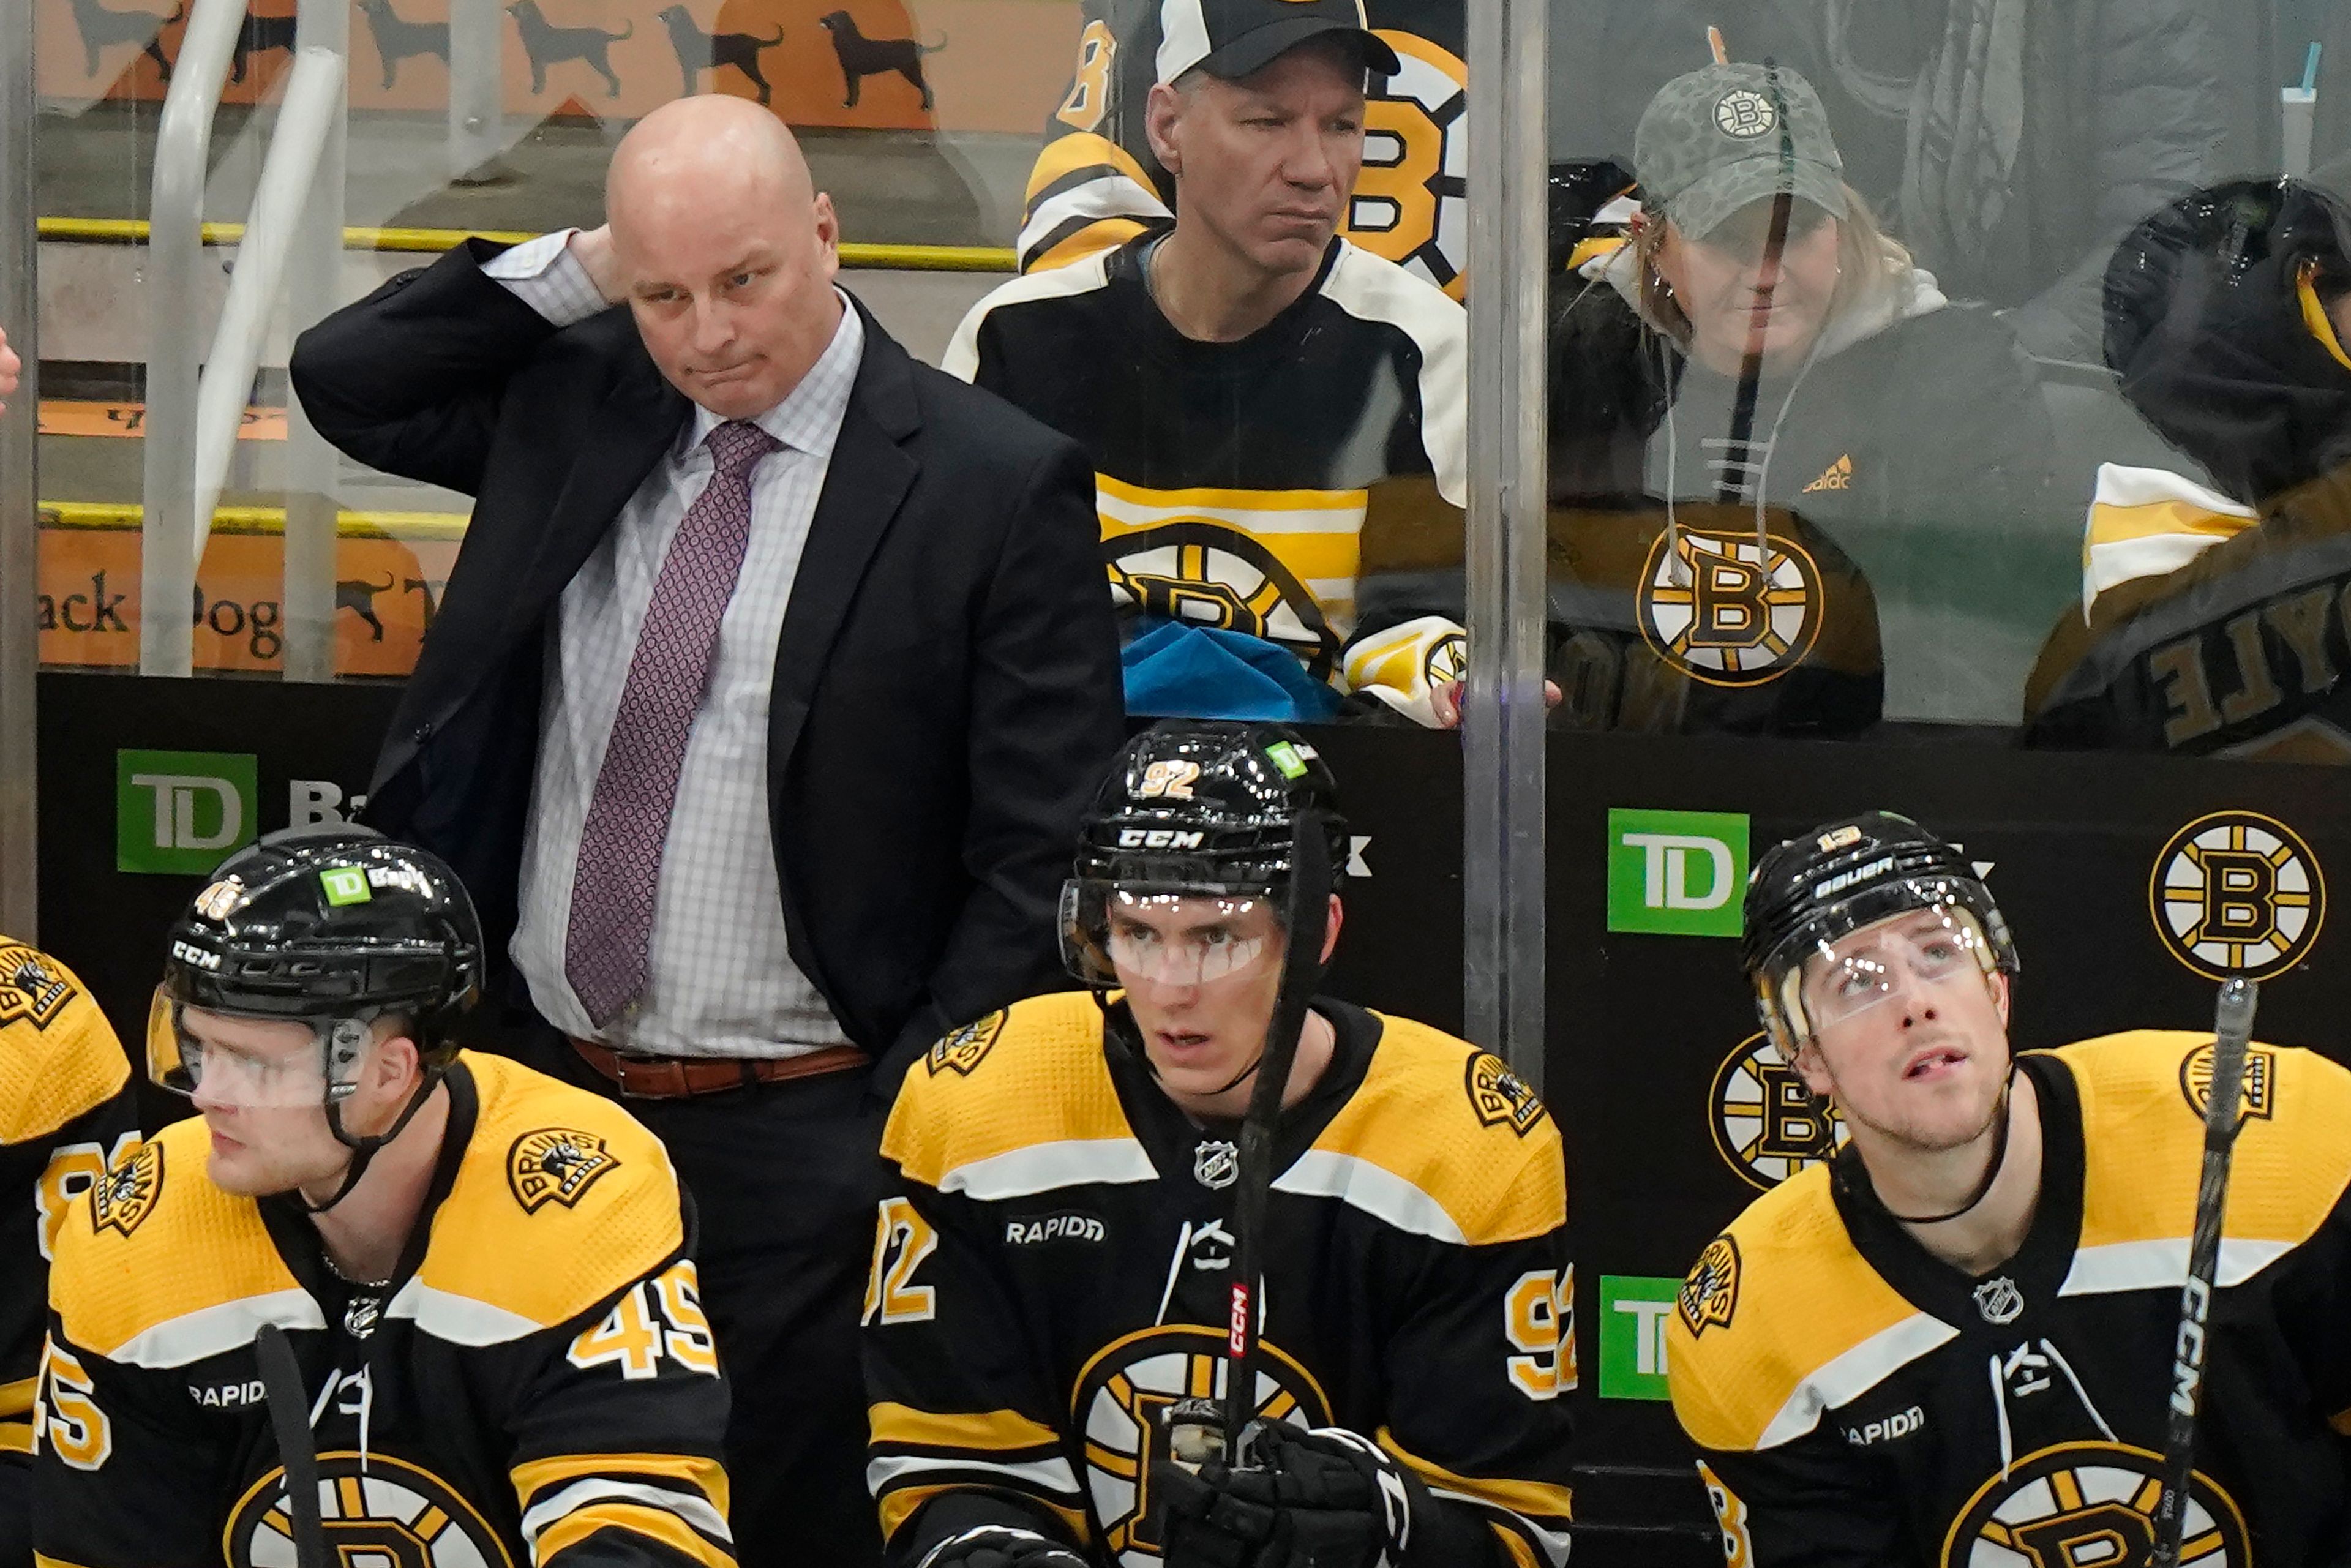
[(1500, 1097), (1766, 1123), (1121, 1398), (2237, 893), (556, 1165), (390, 1514), (2089, 1505), (1727, 608), (963, 1049), (125, 1195), (1208, 574)]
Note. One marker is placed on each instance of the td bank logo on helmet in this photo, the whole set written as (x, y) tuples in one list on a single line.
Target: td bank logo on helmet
[(1676, 873)]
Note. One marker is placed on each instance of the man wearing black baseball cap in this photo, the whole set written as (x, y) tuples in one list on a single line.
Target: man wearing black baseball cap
[(1250, 385)]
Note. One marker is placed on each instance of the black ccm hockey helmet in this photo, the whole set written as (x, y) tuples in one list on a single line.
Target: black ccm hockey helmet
[(1815, 890), (1196, 807), (332, 925)]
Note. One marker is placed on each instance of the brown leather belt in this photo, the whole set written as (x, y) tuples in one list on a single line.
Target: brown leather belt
[(676, 1077)]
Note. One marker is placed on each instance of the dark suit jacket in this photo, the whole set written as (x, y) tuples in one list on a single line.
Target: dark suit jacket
[(946, 689)]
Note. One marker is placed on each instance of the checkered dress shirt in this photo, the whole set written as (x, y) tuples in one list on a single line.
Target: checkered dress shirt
[(721, 982)]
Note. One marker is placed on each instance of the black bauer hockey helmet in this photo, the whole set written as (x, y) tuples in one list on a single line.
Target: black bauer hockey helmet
[(1196, 807), (1813, 891), (333, 924)]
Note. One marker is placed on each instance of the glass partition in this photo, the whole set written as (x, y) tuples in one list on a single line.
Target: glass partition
[(1922, 371)]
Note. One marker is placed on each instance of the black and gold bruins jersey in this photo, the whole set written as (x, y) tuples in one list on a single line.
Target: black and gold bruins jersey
[(1234, 480), (1855, 1401), (535, 1385), (1051, 1271), (1095, 184), (66, 1112)]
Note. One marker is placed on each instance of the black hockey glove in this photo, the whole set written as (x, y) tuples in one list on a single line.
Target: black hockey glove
[(1000, 1546), (1323, 1499)]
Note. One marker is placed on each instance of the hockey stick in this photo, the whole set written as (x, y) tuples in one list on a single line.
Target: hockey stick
[(2232, 1026), (1307, 917), (290, 1416)]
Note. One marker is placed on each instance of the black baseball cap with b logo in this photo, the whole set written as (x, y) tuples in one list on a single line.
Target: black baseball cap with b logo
[(1230, 39)]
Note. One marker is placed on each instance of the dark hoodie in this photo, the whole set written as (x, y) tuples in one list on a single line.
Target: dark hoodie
[(2216, 325)]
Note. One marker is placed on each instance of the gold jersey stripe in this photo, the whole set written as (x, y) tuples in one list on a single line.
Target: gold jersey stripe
[(996, 1430), (16, 1437), (1104, 233), (1534, 1499), (1803, 1297), (60, 1058), (620, 1228), (1514, 1546), (2341, 1422), (1213, 498), (2289, 1169), (1044, 1082), (706, 1476), (1413, 1118), (1307, 557), (1082, 150), (2315, 316), (16, 1397), (636, 1519), (43, 1559)]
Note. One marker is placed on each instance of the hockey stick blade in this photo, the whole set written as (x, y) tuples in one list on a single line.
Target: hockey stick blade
[(289, 1417), (1306, 916), (2232, 1029)]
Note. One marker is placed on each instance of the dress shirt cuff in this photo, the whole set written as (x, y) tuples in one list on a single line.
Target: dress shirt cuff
[(544, 275)]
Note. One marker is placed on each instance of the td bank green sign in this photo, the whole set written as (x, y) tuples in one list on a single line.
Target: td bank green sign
[(1676, 873), (1634, 1311), (180, 813)]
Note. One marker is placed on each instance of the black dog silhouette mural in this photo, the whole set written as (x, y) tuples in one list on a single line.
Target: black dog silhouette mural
[(861, 57), (544, 44), (699, 51), (398, 40), (102, 28)]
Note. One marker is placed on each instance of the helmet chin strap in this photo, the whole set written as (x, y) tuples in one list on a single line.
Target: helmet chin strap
[(1119, 1025), (363, 1149), (1991, 1166)]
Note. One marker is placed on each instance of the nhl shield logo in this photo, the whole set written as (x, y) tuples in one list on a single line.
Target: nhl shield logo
[(2237, 893), (1500, 1097), (1727, 609), (556, 1165), (1710, 1294), (125, 1195), (1216, 1163), (1999, 1301), (965, 1049), (30, 991)]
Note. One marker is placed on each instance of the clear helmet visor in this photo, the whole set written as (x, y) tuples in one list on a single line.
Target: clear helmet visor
[(245, 1062), (1912, 951), (1114, 935)]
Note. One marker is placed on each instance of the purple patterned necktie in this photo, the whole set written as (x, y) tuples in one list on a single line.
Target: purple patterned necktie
[(610, 934)]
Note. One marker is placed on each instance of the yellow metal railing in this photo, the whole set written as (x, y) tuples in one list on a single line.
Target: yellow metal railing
[(901, 257)]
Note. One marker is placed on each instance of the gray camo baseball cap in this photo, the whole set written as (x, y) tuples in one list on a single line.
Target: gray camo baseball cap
[(1714, 141)]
